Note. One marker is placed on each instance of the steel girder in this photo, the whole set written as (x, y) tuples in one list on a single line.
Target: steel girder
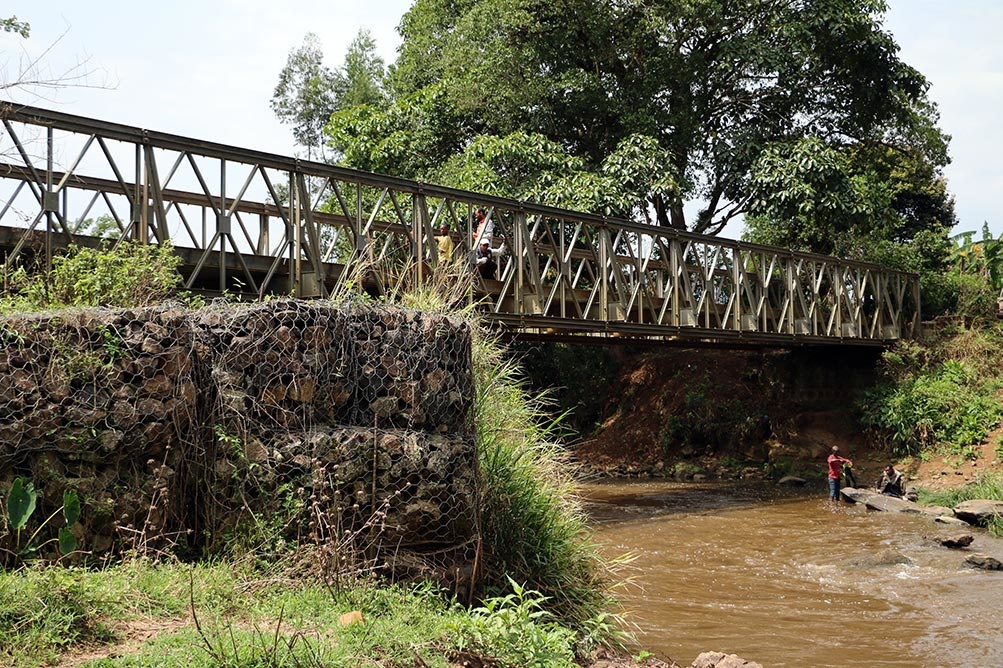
[(257, 223)]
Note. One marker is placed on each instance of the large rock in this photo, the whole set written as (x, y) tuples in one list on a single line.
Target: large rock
[(876, 501), (950, 519), (983, 562), (886, 557), (978, 511), (956, 542), (891, 504), (722, 660)]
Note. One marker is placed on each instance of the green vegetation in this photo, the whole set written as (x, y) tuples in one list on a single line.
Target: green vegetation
[(239, 615), (986, 486), (940, 397), (13, 25), (124, 275), (789, 107), (534, 532), (21, 504)]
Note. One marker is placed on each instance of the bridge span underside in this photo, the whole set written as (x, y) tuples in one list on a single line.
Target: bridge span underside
[(253, 224)]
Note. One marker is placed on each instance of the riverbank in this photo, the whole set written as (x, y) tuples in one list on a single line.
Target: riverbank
[(934, 472), (692, 416)]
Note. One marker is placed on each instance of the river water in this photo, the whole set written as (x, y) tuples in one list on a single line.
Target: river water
[(785, 578)]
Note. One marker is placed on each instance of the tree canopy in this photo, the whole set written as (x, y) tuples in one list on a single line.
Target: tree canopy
[(694, 98), (308, 91)]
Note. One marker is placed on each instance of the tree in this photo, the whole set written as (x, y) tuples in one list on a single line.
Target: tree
[(305, 94), (706, 89), (28, 75), (360, 80), (308, 92), (13, 25), (810, 196), (104, 226)]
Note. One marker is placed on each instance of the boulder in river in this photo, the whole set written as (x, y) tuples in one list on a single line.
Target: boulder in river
[(956, 542), (722, 660), (978, 511), (876, 501), (886, 557), (950, 519), (983, 562), (891, 504)]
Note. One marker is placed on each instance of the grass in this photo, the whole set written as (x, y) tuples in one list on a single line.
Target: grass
[(545, 593), (985, 486), (233, 615)]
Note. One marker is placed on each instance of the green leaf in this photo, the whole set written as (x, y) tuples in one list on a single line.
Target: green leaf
[(20, 503), (71, 507), (67, 541)]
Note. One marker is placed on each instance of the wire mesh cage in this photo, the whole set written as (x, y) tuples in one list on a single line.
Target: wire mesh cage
[(345, 425)]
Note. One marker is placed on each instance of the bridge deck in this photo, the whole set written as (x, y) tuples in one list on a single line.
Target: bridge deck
[(252, 223)]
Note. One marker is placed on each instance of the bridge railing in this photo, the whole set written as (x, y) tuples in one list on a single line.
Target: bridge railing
[(256, 223)]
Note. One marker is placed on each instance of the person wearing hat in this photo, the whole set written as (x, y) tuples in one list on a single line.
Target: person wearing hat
[(484, 258)]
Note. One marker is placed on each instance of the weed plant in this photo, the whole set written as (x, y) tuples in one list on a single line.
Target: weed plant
[(127, 275), (941, 397)]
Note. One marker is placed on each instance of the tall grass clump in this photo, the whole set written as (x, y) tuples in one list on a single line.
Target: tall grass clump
[(535, 531), (941, 397)]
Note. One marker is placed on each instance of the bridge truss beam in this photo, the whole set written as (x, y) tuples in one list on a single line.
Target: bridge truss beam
[(255, 223)]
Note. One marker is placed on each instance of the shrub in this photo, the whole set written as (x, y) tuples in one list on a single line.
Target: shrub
[(942, 396), (125, 275)]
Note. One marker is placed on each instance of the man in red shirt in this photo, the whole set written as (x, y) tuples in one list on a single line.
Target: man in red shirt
[(836, 472)]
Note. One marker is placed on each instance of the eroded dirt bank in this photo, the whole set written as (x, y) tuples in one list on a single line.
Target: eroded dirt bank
[(695, 414)]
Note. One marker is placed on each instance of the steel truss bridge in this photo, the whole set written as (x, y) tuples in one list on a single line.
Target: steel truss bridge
[(250, 223)]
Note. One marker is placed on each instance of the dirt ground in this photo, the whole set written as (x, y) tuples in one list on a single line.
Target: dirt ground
[(796, 417)]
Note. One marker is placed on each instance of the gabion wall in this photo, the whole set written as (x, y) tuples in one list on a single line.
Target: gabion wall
[(344, 425)]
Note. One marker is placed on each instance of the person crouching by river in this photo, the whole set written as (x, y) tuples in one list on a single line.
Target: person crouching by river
[(890, 483), (836, 472)]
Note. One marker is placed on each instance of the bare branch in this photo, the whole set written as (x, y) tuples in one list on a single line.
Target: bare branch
[(33, 75)]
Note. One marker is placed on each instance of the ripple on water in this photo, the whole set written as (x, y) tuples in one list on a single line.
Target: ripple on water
[(769, 574)]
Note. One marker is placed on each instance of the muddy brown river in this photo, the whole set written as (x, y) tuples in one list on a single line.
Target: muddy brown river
[(781, 577)]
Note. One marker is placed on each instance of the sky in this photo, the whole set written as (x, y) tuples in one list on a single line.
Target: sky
[(207, 69)]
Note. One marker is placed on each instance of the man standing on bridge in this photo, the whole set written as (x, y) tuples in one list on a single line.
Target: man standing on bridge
[(836, 462)]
